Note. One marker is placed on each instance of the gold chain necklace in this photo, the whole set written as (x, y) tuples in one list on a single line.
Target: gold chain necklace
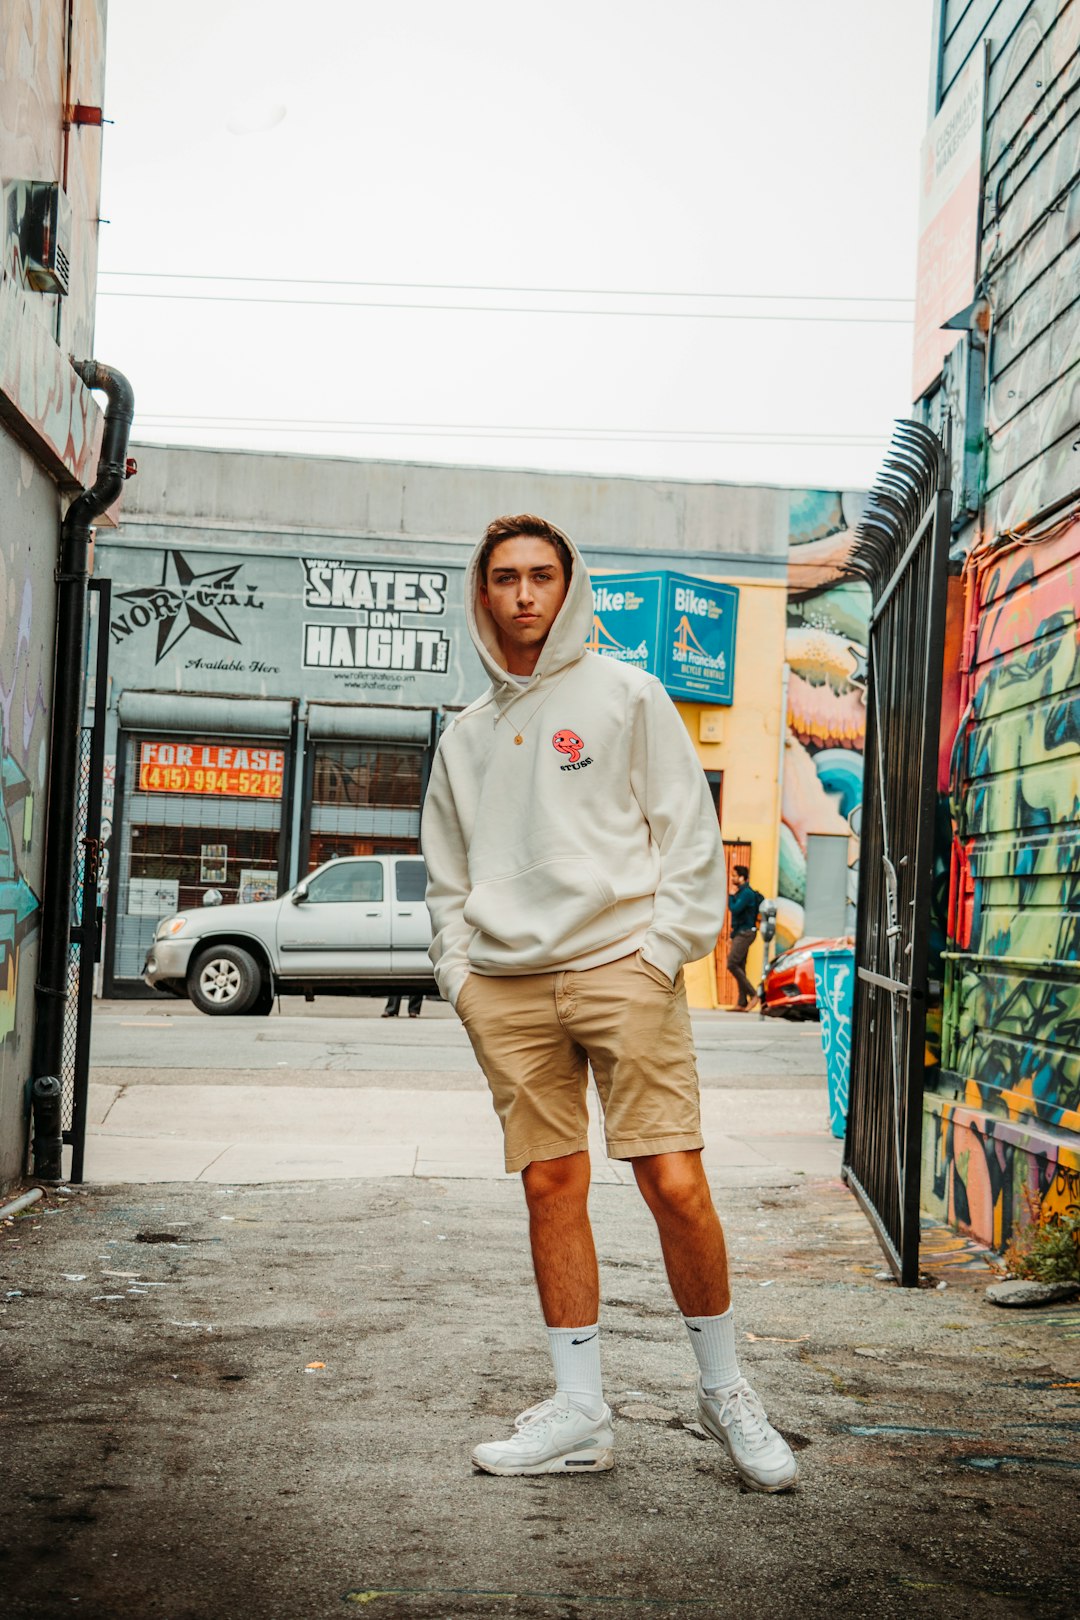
[(518, 738)]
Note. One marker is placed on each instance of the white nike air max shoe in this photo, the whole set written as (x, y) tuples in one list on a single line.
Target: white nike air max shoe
[(551, 1438), (737, 1419)]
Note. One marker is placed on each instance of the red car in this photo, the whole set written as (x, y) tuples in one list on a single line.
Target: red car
[(787, 989)]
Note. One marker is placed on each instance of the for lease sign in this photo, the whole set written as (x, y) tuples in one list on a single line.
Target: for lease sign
[(234, 769)]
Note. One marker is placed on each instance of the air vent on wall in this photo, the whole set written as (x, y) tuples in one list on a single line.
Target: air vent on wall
[(47, 249)]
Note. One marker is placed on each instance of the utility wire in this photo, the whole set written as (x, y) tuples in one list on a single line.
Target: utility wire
[(514, 309), (435, 431), (468, 286)]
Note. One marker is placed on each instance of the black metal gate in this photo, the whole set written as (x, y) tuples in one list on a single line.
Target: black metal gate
[(85, 948), (902, 549)]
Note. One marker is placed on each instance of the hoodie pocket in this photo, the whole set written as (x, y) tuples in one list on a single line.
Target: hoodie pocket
[(545, 912)]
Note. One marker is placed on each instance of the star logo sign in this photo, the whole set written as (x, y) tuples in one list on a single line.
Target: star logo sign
[(189, 602)]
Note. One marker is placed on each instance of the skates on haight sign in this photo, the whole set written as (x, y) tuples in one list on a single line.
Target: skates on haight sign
[(680, 629)]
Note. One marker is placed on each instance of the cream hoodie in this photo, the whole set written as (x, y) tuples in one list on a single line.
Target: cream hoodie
[(592, 839)]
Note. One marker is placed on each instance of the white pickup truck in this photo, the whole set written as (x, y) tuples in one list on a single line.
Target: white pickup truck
[(356, 926)]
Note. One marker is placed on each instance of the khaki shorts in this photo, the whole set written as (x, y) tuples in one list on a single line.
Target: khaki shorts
[(535, 1036)]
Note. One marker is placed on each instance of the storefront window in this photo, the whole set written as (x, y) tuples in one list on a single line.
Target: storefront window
[(201, 818), (367, 775), (365, 800)]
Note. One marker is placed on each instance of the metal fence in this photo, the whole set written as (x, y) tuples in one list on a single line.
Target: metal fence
[(902, 551), (85, 947)]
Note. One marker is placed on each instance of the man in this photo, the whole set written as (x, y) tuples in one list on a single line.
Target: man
[(393, 1006), (745, 903), (571, 846)]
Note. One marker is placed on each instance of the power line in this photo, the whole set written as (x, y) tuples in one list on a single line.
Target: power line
[(287, 427), (468, 286), (514, 309)]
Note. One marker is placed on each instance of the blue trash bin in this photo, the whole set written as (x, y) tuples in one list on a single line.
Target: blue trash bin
[(834, 982)]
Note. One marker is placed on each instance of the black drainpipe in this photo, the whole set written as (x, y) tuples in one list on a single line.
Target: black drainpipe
[(67, 705)]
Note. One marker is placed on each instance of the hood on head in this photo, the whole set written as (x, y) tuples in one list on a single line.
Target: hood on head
[(567, 637)]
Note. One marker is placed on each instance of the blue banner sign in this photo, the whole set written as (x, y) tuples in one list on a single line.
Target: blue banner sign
[(679, 628)]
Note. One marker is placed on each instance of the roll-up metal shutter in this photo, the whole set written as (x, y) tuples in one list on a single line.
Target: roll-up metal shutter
[(205, 716), (359, 723)]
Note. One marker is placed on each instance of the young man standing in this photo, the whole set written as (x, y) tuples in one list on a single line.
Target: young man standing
[(572, 850), (745, 903)]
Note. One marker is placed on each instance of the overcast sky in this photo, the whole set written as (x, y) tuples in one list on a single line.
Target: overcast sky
[(554, 173)]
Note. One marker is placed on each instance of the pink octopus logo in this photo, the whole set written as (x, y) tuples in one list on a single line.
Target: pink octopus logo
[(568, 743)]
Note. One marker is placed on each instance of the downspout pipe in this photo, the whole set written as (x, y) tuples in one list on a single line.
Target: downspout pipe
[(67, 708)]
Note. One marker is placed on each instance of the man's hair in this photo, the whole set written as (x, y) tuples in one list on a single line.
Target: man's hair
[(508, 528), (743, 872)]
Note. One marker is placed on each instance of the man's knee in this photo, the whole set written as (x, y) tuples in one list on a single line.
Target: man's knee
[(675, 1184), (550, 1182)]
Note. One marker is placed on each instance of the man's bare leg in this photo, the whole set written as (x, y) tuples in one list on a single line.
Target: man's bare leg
[(563, 1252), (691, 1237)]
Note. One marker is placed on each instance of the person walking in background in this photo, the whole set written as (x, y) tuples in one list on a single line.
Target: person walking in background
[(393, 1006), (572, 850), (743, 903)]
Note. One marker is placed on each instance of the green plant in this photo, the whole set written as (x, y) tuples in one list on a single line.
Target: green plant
[(1048, 1249)]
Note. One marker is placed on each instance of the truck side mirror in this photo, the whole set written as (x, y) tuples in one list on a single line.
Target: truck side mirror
[(299, 894)]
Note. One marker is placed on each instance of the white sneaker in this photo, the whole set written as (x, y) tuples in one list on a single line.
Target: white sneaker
[(551, 1438), (737, 1419)]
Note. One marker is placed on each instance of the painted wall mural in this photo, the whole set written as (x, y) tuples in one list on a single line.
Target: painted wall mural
[(998, 1136), (23, 736), (827, 617)]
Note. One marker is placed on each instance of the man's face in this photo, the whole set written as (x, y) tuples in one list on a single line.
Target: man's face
[(523, 592), (740, 880)]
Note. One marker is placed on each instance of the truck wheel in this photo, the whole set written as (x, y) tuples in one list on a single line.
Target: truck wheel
[(224, 979)]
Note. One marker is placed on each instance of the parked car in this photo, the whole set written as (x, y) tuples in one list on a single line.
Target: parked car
[(787, 988), (356, 926)]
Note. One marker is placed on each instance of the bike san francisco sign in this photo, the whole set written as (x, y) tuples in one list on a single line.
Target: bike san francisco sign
[(679, 628), (384, 628)]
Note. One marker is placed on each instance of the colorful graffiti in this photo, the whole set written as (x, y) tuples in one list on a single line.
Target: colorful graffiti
[(981, 1174), (22, 745), (1010, 1045), (827, 617), (18, 902)]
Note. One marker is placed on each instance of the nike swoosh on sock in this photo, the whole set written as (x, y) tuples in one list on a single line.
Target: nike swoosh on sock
[(584, 1341)]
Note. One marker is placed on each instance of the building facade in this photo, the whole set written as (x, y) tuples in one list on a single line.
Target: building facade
[(287, 638), (52, 64), (997, 352)]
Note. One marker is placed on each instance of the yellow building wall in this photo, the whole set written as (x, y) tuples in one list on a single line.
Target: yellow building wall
[(748, 751)]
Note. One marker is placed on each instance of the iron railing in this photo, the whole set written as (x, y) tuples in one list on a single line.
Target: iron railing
[(902, 548)]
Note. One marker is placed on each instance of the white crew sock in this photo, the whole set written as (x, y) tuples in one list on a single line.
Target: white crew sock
[(713, 1339), (575, 1355)]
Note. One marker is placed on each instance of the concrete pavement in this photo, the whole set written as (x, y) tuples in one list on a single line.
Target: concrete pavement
[(333, 1090)]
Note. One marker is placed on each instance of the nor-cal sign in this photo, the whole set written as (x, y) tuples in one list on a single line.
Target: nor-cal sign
[(679, 628)]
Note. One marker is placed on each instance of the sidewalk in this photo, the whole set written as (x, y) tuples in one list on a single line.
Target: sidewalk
[(332, 1093), (258, 1400)]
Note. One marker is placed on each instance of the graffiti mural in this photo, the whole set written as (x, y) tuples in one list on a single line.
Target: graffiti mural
[(18, 902), (827, 617), (1011, 1021), (23, 734)]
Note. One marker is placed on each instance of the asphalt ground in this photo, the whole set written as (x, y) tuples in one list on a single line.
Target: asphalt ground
[(258, 1398), (271, 1416)]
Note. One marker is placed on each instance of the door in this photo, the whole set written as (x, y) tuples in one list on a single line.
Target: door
[(736, 853), (341, 928), (410, 925)]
